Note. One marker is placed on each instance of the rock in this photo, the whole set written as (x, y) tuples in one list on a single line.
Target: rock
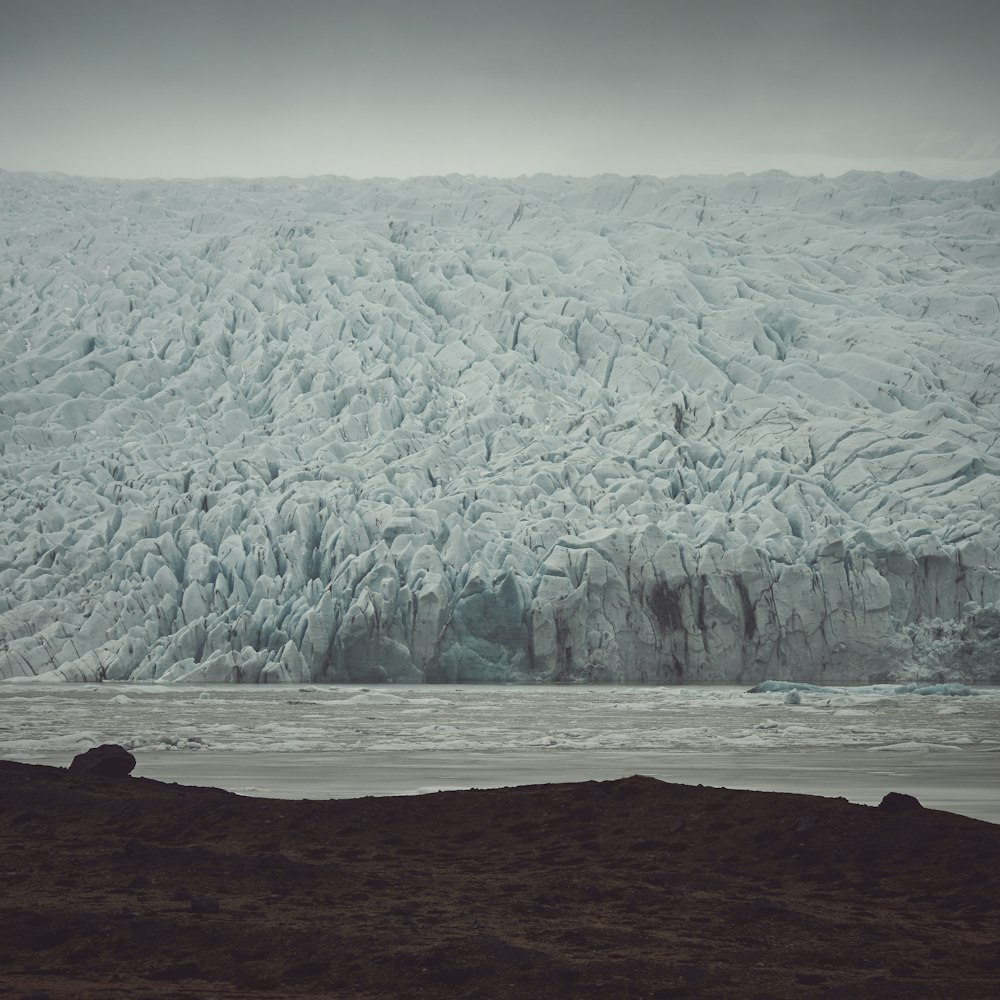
[(275, 862), (204, 904), (108, 761), (177, 971), (303, 972), (899, 802)]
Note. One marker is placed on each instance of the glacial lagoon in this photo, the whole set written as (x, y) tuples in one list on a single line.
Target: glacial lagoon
[(345, 741)]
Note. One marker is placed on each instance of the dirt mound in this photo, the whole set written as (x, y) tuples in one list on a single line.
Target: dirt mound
[(630, 888)]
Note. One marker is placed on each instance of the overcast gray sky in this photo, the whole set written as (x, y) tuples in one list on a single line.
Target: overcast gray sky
[(195, 88)]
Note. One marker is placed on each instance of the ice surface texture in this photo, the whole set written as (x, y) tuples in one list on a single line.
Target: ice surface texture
[(451, 429)]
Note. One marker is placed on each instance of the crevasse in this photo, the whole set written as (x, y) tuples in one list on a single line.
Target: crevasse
[(459, 429)]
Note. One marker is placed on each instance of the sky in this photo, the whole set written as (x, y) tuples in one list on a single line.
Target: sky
[(398, 88)]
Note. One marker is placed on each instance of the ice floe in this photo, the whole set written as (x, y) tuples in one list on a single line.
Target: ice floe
[(486, 719)]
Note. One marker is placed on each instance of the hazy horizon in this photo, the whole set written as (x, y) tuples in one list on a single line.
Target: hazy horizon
[(241, 88), (138, 178)]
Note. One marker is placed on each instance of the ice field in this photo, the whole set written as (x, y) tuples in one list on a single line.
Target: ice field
[(344, 741), (621, 430)]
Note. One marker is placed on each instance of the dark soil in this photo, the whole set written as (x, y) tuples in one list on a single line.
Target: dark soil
[(126, 887)]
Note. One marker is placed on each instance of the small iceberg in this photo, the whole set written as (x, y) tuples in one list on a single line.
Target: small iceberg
[(777, 687), (952, 690)]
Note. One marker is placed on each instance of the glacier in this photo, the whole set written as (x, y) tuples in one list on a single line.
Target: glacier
[(615, 429)]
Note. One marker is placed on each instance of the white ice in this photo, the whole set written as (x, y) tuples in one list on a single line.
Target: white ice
[(451, 429)]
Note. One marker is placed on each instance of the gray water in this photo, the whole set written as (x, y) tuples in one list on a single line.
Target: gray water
[(343, 742)]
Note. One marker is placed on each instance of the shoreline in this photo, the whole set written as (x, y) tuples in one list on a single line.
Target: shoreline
[(962, 782)]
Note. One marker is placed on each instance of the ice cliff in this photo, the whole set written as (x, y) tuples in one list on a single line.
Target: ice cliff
[(454, 429)]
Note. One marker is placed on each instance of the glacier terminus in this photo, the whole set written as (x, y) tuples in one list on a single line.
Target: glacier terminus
[(451, 429)]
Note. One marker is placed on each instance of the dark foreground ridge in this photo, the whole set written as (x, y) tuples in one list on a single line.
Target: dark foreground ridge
[(126, 887)]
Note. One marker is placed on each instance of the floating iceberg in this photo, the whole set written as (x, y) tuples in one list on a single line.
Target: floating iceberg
[(952, 690), (771, 687), (455, 429)]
